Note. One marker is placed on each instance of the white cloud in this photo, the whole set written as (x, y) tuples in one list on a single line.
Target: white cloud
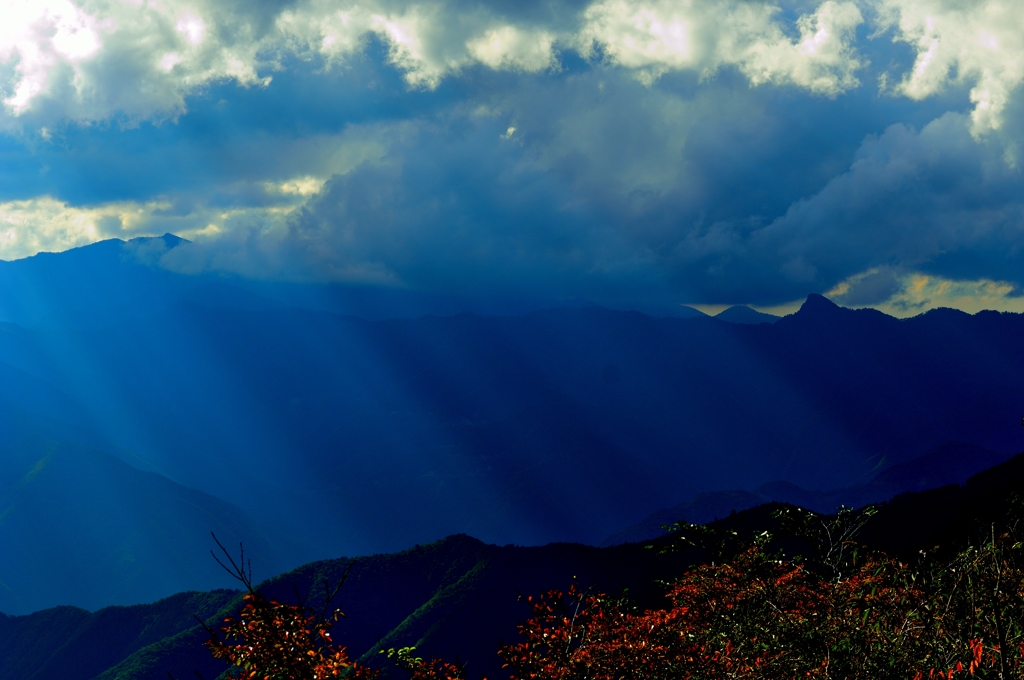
[(655, 37), (92, 59), (48, 225), (980, 44), (41, 36), (511, 47), (298, 186), (427, 41), (324, 28)]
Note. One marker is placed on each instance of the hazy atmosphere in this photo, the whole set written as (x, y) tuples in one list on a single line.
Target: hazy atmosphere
[(633, 153), (623, 338), (576, 339)]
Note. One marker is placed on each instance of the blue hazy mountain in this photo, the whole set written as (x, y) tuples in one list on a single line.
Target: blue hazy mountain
[(951, 463), (107, 281), (353, 433), (744, 314), (82, 527)]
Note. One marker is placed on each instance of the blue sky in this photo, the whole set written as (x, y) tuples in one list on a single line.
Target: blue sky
[(628, 152)]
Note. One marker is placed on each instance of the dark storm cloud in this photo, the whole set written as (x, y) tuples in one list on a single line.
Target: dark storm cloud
[(610, 190)]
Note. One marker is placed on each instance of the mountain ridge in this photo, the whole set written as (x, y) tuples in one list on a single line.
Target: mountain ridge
[(950, 463), (340, 434), (454, 598)]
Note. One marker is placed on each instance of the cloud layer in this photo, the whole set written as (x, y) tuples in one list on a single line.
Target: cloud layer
[(624, 151), (98, 59)]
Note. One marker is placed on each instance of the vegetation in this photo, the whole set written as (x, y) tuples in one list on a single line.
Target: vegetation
[(271, 640), (751, 612)]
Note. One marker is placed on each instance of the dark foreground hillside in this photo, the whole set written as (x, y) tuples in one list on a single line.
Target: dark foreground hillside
[(456, 598)]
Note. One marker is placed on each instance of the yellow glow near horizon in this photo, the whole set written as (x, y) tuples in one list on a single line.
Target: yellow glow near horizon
[(922, 293), (45, 224)]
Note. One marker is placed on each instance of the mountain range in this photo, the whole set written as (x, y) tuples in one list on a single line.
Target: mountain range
[(951, 463), (312, 431), (457, 598)]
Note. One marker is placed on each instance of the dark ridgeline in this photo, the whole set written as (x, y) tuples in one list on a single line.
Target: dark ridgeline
[(456, 598), (951, 463), (335, 434)]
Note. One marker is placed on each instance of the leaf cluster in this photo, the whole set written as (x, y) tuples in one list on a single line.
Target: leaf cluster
[(269, 640)]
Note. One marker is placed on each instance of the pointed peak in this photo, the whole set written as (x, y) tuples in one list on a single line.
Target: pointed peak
[(171, 240), (817, 304), (167, 241)]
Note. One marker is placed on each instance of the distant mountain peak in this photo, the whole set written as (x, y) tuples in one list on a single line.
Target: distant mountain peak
[(817, 304), (172, 240), (168, 241), (745, 315)]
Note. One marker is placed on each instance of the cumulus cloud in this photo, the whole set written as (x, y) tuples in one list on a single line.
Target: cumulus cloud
[(871, 287), (48, 225), (430, 41), (89, 60), (92, 60), (932, 201), (564, 189), (656, 37), (613, 191), (980, 44)]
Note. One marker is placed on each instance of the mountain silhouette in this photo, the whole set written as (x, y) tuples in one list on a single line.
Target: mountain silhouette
[(743, 314), (342, 434), (454, 598), (951, 463), (81, 527)]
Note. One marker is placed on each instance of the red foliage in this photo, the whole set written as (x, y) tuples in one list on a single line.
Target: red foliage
[(759, 617), (754, 617), (273, 641)]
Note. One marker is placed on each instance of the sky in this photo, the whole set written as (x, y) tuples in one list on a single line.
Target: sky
[(625, 152)]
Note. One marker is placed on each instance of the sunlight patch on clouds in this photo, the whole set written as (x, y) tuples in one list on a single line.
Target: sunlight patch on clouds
[(921, 293), (659, 36), (48, 225), (907, 294), (299, 186), (45, 224), (425, 40), (651, 37), (513, 48), (408, 35), (41, 35), (322, 28), (980, 44), (94, 59)]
